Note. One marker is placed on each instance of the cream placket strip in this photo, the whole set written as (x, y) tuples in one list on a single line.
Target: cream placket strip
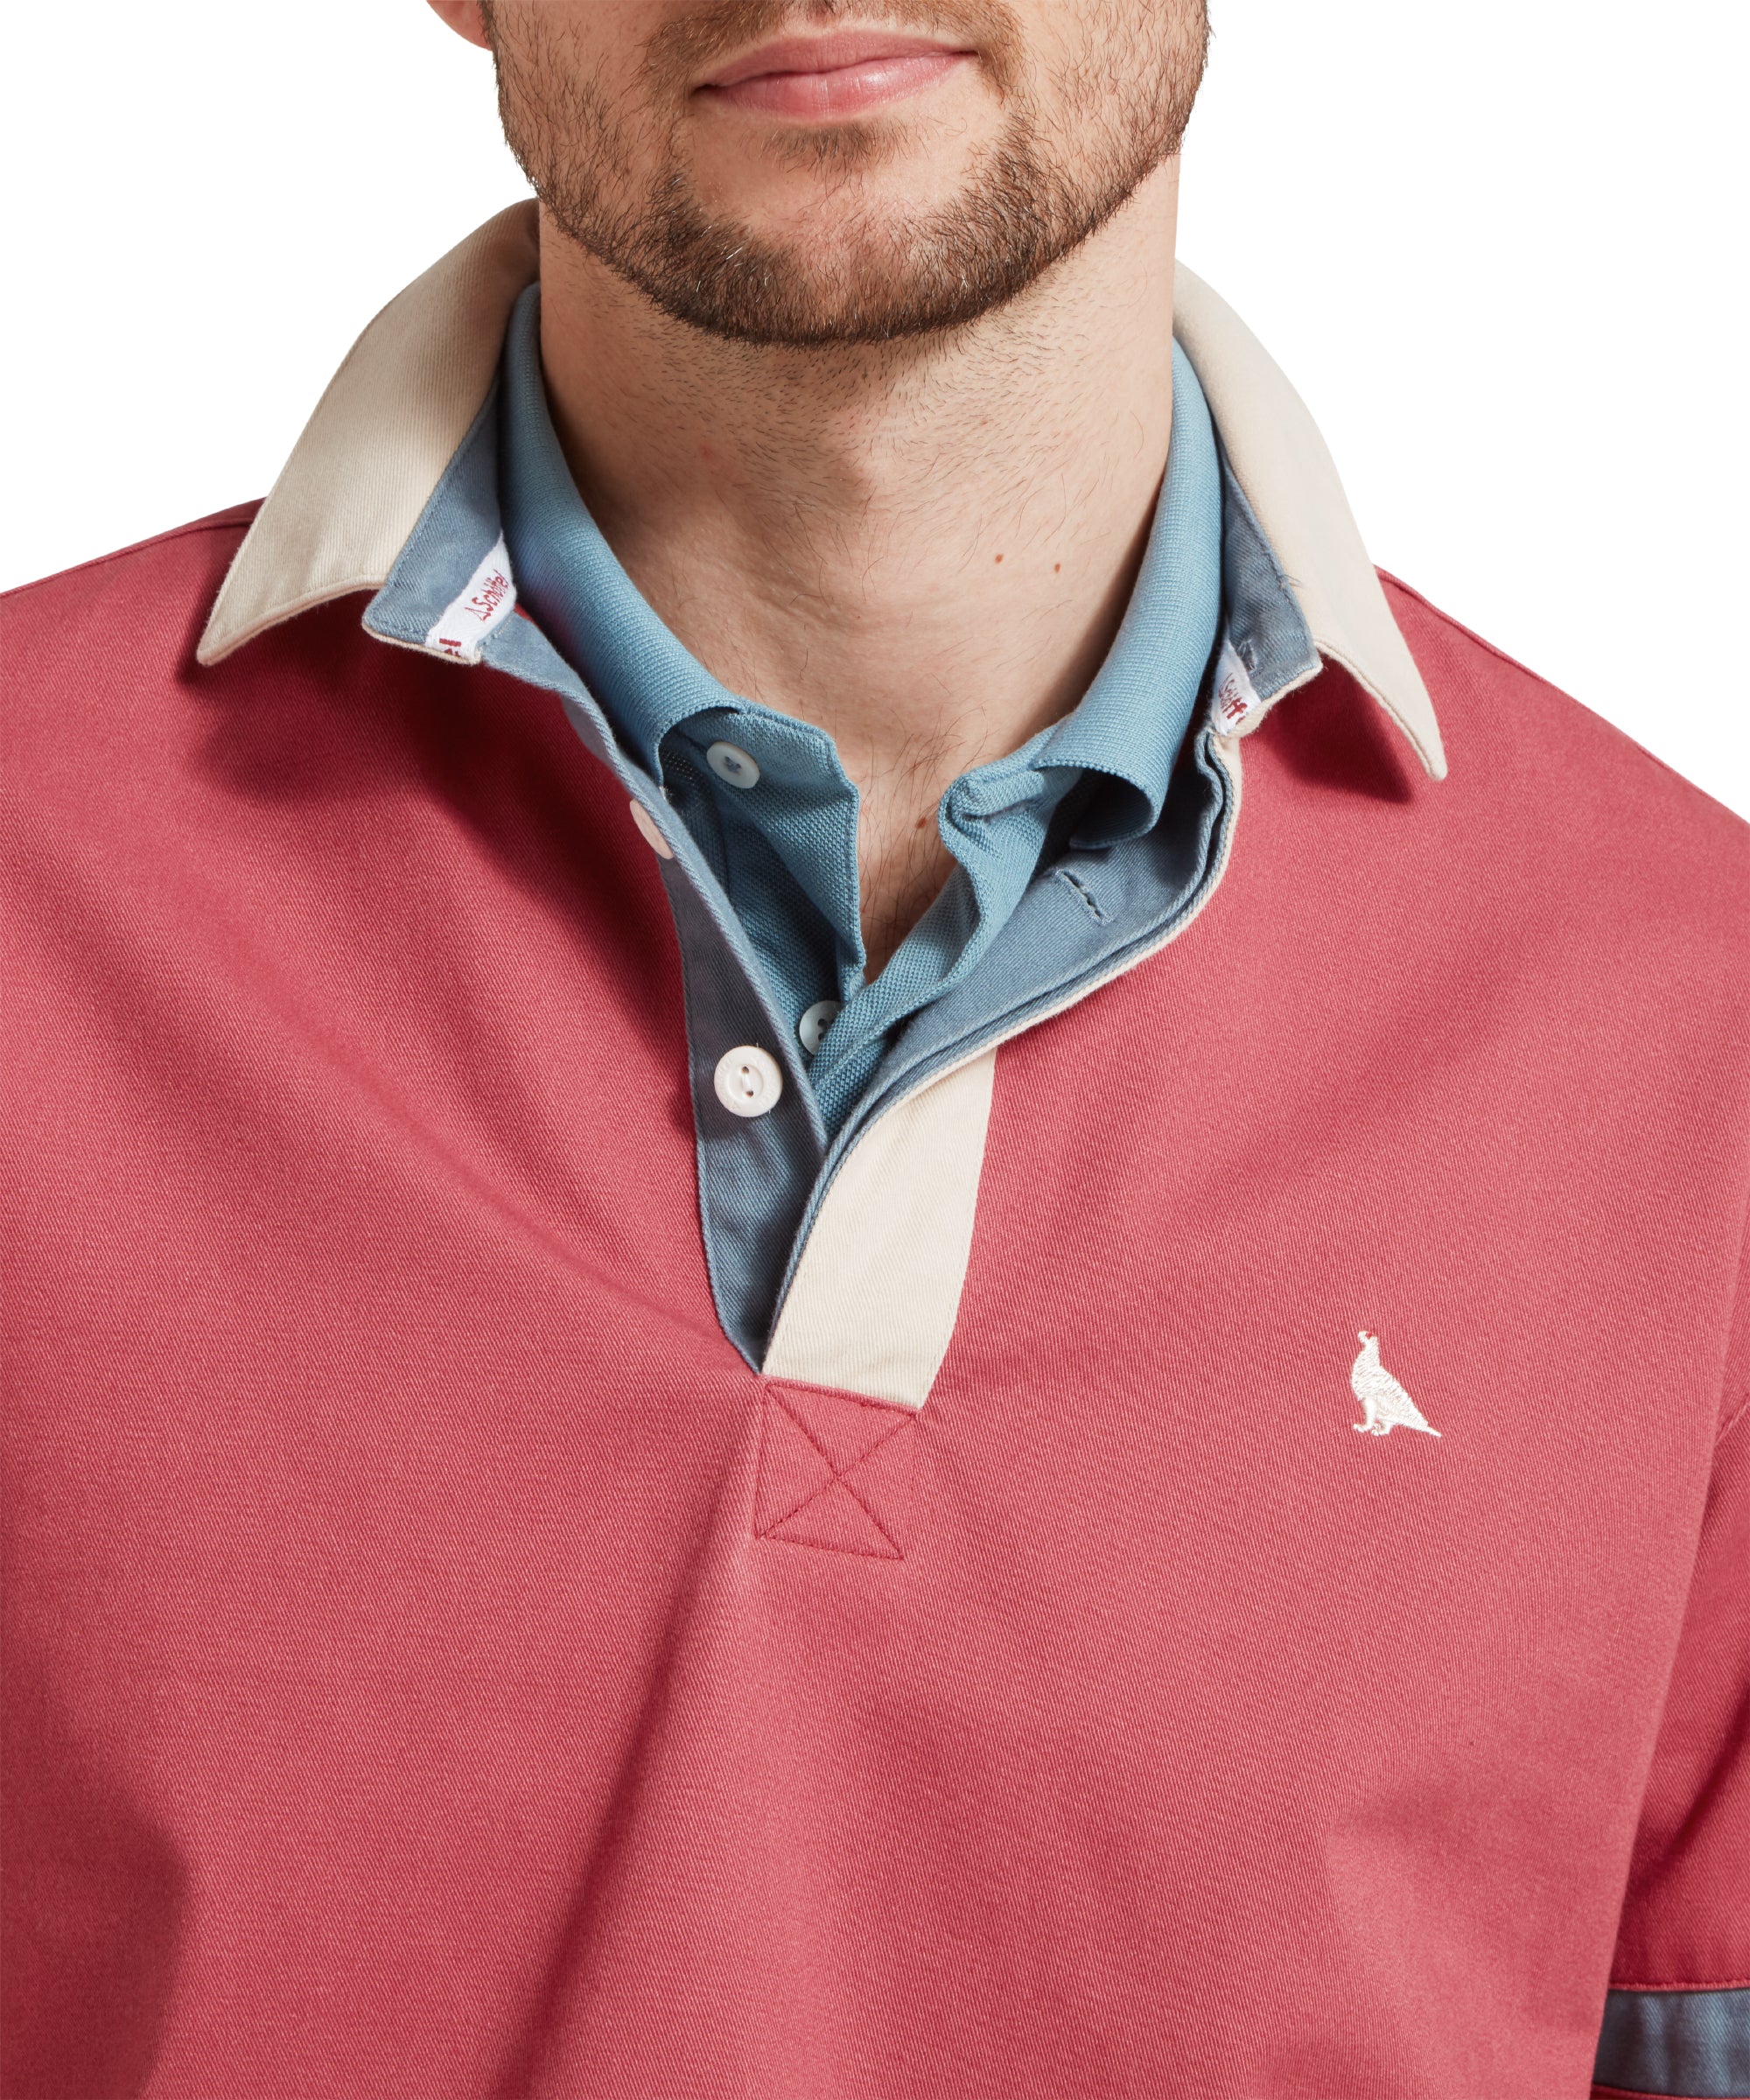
[(872, 1305)]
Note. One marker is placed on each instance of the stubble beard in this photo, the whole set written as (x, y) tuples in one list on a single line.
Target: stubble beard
[(1036, 192)]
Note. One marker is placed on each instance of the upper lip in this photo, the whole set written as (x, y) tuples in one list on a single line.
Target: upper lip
[(823, 53)]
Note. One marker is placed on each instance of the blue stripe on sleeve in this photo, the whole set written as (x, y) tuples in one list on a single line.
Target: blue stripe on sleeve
[(1691, 2042)]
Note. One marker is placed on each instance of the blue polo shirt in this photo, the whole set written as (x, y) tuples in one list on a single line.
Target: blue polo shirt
[(764, 795)]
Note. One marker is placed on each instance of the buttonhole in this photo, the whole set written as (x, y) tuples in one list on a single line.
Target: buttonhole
[(1083, 894)]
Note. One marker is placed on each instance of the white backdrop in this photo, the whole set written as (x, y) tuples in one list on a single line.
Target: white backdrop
[(1500, 249)]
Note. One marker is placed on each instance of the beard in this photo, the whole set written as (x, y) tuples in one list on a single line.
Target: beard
[(1056, 170)]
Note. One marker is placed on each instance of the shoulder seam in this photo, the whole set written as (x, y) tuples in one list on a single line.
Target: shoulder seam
[(1547, 685), (1446, 620), (221, 520)]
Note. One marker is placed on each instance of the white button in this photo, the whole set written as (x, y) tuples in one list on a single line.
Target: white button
[(748, 1081), (649, 833), (729, 762), (814, 1022)]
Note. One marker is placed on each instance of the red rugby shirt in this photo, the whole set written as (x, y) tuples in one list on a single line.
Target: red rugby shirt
[(439, 1665)]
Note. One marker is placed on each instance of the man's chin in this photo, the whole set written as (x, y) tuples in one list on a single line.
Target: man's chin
[(799, 302), (866, 272)]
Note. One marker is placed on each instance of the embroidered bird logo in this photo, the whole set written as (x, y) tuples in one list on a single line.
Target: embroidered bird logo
[(1384, 1400)]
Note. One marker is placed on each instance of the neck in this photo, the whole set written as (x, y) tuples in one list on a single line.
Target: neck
[(924, 547)]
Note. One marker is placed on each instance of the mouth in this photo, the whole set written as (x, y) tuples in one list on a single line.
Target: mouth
[(819, 80)]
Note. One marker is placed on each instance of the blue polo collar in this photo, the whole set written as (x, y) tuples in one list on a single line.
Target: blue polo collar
[(1129, 725)]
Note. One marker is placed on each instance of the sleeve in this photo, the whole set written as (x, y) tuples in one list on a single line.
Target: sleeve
[(1677, 2017)]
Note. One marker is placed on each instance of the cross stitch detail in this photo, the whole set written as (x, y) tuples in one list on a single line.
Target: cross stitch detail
[(1384, 1401), (835, 1472)]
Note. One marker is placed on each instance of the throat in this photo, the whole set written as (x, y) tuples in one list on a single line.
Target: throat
[(901, 866)]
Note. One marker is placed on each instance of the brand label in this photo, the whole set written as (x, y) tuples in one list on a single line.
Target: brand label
[(1236, 698), (484, 602)]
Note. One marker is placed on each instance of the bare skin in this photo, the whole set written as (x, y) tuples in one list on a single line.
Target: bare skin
[(923, 545)]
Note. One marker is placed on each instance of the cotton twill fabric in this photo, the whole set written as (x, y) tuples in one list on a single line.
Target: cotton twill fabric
[(402, 1696)]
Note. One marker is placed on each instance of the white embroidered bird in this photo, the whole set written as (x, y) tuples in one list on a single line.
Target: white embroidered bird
[(1386, 1404)]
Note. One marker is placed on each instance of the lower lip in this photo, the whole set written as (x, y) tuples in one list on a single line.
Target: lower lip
[(840, 90)]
